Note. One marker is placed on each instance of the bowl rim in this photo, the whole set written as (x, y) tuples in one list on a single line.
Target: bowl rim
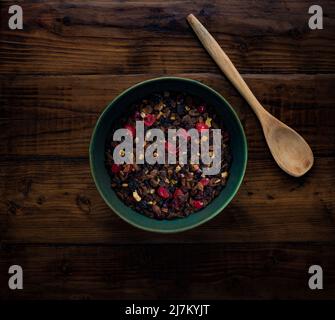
[(214, 213)]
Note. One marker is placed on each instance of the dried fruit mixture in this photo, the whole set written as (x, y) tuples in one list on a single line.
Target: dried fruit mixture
[(168, 191)]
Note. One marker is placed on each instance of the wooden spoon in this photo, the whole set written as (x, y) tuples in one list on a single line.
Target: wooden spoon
[(288, 148)]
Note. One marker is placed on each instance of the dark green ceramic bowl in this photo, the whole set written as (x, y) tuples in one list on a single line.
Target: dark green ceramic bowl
[(119, 106)]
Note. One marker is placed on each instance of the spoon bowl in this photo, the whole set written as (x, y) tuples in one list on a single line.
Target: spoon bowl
[(289, 149)]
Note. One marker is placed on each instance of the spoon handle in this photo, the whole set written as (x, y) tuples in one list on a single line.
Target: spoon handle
[(225, 64)]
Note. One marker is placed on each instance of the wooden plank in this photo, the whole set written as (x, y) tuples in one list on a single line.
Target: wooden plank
[(58, 74), (248, 271), (118, 37), (54, 116), (56, 201)]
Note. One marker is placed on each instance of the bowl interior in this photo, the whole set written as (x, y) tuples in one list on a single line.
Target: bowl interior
[(122, 104)]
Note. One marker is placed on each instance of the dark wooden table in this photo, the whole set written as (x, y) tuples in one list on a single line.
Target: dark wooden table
[(59, 73)]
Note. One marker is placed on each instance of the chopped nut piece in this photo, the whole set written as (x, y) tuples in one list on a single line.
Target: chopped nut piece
[(165, 210), (216, 181), (159, 115), (208, 122), (224, 174), (200, 186), (136, 196), (159, 106)]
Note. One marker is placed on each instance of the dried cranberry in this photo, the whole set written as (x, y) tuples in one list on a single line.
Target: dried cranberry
[(131, 129), (198, 204), (204, 181), (178, 193), (163, 192), (201, 126), (115, 168), (149, 120), (201, 108)]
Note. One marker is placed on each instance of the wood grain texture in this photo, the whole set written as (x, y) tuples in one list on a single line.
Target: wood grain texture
[(118, 37), (267, 271), (59, 73), (55, 201), (54, 116)]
